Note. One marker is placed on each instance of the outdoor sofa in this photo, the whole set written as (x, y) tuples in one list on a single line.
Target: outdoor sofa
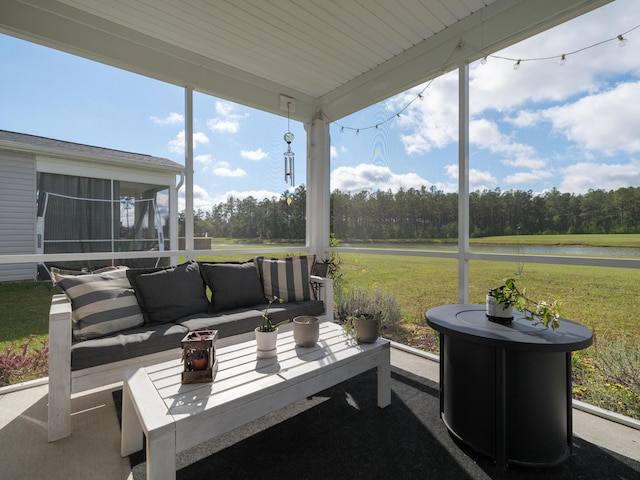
[(119, 318)]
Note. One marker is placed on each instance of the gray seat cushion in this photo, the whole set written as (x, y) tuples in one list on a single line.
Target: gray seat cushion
[(243, 320), (127, 344), (159, 337)]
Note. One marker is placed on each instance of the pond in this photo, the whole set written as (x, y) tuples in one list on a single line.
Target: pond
[(572, 250)]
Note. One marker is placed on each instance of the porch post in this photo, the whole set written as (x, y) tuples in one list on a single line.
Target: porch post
[(463, 183), (188, 170), (318, 169)]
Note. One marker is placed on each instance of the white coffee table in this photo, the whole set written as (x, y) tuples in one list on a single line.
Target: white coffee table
[(175, 417)]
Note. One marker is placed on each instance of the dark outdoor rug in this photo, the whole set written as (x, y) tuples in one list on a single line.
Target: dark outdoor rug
[(341, 433)]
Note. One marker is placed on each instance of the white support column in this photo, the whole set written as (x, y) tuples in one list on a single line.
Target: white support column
[(188, 168), (463, 183), (318, 170), (173, 220)]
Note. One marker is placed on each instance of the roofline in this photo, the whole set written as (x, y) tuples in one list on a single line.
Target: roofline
[(59, 153)]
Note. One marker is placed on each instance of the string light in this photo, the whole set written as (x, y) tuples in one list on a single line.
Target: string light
[(622, 41)]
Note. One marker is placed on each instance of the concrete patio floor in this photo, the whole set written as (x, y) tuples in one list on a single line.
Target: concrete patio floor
[(92, 451)]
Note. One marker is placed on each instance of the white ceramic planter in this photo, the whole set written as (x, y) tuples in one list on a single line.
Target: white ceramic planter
[(306, 331), (497, 311), (266, 343)]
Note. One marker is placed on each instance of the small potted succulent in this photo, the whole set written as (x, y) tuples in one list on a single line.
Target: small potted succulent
[(502, 299), (267, 333), (365, 327)]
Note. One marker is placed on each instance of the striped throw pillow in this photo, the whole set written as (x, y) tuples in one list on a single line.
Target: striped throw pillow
[(286, 278), (103, 303)]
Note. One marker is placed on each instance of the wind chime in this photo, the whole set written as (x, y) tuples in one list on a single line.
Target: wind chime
[(289, 156)]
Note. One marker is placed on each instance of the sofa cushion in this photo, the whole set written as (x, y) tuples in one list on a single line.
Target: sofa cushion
[(232, 285), (103, 302), (286, 278), (243, 320), (127, 344), (170, 293)]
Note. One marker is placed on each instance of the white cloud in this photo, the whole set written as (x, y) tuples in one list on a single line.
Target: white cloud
[(581, 177), (527, 177), (223, 169), (172, 119), (373, 177), (203, 200), (432, 122), (607, 122), (524, 118), (177, 144), (478, 179), (255, 155), (205, 159), (227, 121)]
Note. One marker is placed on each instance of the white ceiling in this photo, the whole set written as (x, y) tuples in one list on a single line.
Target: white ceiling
[(334, 56)]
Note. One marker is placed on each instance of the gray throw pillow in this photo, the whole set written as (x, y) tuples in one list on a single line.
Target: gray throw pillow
[(232, 285), (103, 302), (168, 294)]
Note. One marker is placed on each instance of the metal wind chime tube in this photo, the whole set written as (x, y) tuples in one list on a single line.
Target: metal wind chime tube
[(289, 156)]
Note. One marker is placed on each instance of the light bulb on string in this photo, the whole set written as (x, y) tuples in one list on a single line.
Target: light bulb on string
[(563, 60), (622, 41), (484, 60), (517, 65)]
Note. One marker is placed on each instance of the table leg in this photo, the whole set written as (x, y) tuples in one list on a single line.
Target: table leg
[(502, 444), (384, 378), (161, 455), (131, 431)]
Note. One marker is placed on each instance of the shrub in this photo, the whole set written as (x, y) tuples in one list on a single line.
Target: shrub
[(611, 380), (378, 302), (24, 363)]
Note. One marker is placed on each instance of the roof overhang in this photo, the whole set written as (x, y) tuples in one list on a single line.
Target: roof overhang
[(336, 58)]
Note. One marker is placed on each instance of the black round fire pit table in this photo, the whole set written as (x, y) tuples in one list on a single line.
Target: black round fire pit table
[(505, 389)]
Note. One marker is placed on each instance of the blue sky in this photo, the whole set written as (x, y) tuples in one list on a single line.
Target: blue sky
[(574, 127)]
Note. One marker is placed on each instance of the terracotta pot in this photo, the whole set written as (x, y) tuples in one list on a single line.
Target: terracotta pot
[(266, 343), (306, 331)]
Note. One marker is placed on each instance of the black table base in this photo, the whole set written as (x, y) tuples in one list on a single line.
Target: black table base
[(505, 389)]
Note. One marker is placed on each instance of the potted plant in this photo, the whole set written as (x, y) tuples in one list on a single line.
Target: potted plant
[(508, 296), (365, 327), (322, 268), (267, 333), (306, 330)]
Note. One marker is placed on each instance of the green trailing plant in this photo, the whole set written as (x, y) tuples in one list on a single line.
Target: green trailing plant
[(546, 313), (267, 325)]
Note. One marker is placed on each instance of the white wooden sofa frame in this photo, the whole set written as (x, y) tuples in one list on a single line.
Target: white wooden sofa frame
[(63, 382)]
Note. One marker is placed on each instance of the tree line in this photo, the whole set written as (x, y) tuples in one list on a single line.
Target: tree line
[(426, 214)]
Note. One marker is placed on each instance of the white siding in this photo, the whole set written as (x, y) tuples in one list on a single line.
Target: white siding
[(17, 213)]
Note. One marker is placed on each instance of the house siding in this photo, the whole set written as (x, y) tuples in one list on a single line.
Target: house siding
[(17, 213)]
